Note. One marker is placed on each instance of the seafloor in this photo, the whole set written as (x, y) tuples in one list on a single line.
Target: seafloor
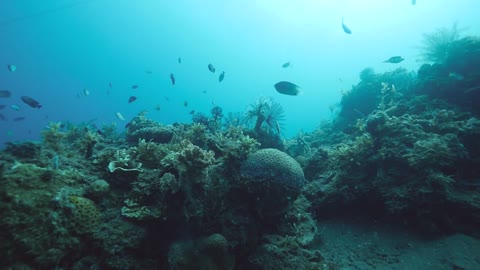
[(393, 182)]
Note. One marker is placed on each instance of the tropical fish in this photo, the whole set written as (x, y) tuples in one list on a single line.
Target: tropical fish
[(179, 60), (172, 78), (157, 107), (12, 68), (132, 99), (394, 60), (285, 65), (148, 71), (120, 116), (5, 94), (345, 28), (414, 2), (86, 92), (2, 107), (15, 107), (211, 68), (204, 91), (287, 88), (221, 77), (185, 103), (135, 86), (31, 102), (18, 119), (192, 112)]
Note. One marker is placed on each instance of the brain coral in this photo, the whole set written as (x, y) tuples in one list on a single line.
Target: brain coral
[(85, 217), (274, 166)]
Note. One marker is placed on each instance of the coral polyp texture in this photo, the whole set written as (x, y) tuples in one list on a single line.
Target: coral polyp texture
[(274, 166), (85, 216)]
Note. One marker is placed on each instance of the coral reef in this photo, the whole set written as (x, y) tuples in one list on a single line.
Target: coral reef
[(273, 178), (141, 127), (209, 252), (85, 216), (221, 193)]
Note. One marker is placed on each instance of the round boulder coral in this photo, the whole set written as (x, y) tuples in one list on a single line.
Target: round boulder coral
[(274, 166), (273, 180)]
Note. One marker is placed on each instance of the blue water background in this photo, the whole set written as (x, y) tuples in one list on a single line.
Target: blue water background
[(63, 47)]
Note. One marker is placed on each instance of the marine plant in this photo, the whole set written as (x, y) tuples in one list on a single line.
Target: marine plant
[(436, 45)]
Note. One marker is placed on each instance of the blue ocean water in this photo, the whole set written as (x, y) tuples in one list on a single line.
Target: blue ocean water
[(61, 48)]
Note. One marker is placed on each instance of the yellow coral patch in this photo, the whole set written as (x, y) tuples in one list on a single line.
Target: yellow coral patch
[(85, 216)]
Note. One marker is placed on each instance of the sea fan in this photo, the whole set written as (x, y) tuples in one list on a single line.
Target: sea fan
[(436, 45)]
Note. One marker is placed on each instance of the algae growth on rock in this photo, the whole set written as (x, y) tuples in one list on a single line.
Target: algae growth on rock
[(229, 193)]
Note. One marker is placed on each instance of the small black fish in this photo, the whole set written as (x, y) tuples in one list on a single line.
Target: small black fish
[(211, 68), (285, 65), (132, 99), (2, 107), (172, 78), (204, 91), (148, 72), (394, 60), (31, 102), (221, 77), (5, 94), (18, 119), (135, 86), (192, 112), (179, 60), (345, 28), (287, 88), (12, 68), (185, 103)]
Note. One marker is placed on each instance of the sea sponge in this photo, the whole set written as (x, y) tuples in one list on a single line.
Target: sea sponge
[(274, 166), (85, 216)]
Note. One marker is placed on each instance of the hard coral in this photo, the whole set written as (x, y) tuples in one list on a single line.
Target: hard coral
[(85, 216), (274, 166), (142, 128)]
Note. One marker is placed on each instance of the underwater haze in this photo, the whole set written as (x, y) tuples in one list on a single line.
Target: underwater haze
[(60, 48), (235, 135)]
